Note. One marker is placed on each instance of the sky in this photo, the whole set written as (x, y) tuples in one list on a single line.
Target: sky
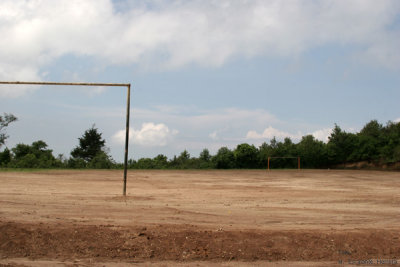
[(204, 74)]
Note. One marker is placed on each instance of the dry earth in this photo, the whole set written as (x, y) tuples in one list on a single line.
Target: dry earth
[(200, 218)]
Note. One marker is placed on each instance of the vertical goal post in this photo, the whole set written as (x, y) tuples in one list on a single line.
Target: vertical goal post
[(298, 161), (128, 101)]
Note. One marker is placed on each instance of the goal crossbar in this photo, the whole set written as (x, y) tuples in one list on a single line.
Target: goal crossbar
[(298, 160), (128, 99)]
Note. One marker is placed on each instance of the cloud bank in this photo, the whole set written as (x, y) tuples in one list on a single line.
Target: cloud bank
[(171, 34), (150, 134), (215, 128), (271, 132)]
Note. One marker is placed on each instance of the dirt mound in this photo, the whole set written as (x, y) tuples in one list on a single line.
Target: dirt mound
[(191, 243), (370, 165)]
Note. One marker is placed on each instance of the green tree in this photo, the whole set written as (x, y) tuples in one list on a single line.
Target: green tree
[(184, 156), (389, 151), (264, 151), (174, 163), (204, 160), (5, 157), (5, 120), (76, 163), (61, 161), (145, 163), (160, 161), (285, 149), (372, 129), (101, 161), (368, 142), (183, 160), (270, 150), (246, 156), (90, 145), (341, 146), (313, 152), (20, 150), (274, 143), (132, 163), (224, 159), (35, 155), (205, 155)]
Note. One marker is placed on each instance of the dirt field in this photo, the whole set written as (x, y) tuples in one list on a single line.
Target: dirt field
[(200, 218)]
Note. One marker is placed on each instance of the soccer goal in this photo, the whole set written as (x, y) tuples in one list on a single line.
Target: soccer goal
[(294, 159), (127, 85)]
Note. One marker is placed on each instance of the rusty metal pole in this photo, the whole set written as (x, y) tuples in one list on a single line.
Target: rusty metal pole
[(128, 85), (128, 104), (72, 84)]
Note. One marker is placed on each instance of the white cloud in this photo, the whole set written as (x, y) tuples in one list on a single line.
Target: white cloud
[(397, 120), (176, 33), (200, 128), (322, 134), (149, 135), (16, 72), (13, 91), (271, 132), (219, 124), (225, 127), (200, 117), (93, 91), (214, 135)]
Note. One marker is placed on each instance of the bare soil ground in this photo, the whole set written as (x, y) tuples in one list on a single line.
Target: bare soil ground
[(200, 218)]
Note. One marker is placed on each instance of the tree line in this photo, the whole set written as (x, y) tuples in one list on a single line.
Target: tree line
[(375, 143), (91, 152)]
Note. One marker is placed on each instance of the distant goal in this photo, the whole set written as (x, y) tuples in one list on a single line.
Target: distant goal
[(296, 161)]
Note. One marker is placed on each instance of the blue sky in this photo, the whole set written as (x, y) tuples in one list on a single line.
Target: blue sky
[(204, 74)]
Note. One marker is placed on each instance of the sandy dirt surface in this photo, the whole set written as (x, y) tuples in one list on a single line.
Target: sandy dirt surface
[(200, 218)]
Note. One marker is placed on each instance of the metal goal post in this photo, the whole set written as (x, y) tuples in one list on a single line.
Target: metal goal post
[(298, 161), (128, 100)]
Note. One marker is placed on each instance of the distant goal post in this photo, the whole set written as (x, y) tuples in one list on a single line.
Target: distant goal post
[(298, 161)]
